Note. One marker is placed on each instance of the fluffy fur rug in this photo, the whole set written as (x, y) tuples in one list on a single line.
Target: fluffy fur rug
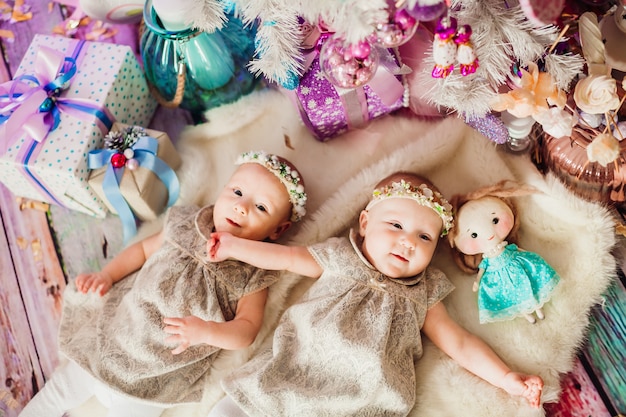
[(574, 236)]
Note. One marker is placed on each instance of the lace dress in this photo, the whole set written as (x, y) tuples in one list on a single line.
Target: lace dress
[(348, 347), (119, 338), (514, 283)]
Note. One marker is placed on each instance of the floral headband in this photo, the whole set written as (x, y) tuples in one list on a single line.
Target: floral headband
[(289, 177), (423, 195)]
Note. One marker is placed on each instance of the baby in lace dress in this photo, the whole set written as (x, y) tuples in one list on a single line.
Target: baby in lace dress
[(147, 341), (348, 347)]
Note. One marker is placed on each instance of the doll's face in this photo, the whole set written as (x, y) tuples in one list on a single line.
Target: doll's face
[(253, 205), (399, 236), (482, 224)]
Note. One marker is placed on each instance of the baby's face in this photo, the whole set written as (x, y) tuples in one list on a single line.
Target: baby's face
[(400, 236), (253, 205)]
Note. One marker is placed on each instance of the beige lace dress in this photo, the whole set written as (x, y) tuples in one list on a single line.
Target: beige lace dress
[(348, 347), (119, 338)]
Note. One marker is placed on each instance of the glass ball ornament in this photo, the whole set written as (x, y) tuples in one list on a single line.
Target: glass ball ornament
[(129, 153), (132, 164), (397, 31), (118, 160), (348, 65), (427, 11)]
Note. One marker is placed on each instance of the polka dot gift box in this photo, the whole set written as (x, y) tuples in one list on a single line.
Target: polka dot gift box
[(62, 101)]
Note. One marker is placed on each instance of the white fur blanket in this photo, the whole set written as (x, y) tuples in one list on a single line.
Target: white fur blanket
[(574, 236)]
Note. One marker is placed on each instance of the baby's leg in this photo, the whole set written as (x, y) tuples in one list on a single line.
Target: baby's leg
[(127, 407), (69, 387), (226, 407), (539, 313)]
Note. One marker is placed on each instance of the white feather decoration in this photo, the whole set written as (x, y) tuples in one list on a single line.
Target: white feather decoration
[(207, 15), (278, 43), (277, 55), (564, 68), (278, 49), (501, 36), (355, 20)]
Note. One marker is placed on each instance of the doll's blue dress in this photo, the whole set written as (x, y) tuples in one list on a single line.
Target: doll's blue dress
[(513, 284)]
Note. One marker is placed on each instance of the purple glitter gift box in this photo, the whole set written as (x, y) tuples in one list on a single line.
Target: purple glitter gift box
[(329, 111)]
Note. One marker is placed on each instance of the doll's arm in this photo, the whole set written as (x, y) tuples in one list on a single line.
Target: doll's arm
[(476, 356), (264, 255), (127, 261), (479, 275), (237, 333)]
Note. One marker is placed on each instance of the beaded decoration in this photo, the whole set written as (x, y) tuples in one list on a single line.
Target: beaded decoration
[(289, 177), (423, 195), (122, 142)]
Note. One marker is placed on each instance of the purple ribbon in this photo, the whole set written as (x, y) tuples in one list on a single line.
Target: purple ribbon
[(31, 106)]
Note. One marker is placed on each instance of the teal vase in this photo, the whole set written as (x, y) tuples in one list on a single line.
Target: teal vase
[(213, 65)]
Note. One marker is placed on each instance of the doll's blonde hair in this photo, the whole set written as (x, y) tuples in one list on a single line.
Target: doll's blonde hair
[(504, 190)]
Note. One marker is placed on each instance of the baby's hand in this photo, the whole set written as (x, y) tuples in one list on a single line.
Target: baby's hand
[(98, 282), (216, 247), (185, 331), (527, 386)]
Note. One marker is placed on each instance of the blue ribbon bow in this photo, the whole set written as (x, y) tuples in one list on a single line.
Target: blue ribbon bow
[(145, 150)]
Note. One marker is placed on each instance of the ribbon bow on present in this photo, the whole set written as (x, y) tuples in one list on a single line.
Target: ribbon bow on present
[(32, 103), (140, 154)]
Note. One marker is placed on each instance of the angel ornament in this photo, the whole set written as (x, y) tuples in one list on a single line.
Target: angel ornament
[(510, 281)]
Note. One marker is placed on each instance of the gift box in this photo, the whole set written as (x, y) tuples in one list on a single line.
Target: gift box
[(63, 99), (329, 111), (135, 174)]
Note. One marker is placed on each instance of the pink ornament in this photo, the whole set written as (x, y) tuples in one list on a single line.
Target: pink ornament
[(132, 164), (542, 12), (404, 20), (363, 76), (444, 48), (335, 60), (399, 30), (427, 12), (129, 153), (348, 66), (118, 160), (361, 50), (468, 62)]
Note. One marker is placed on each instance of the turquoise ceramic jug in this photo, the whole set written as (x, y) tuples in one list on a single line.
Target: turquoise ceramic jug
[(197, 70)]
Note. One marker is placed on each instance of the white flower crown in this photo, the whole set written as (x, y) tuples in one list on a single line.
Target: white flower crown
[(423, 195), (288, 176)]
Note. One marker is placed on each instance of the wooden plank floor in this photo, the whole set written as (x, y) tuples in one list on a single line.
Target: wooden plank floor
[(32, 274), (40, 250)]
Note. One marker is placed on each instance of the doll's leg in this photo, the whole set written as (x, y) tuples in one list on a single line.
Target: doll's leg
[(539, 313), (530, 318), (69, 387), (226, 407)]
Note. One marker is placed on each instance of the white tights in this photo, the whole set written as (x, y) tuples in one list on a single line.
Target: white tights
[(70, 386), (226, 407)]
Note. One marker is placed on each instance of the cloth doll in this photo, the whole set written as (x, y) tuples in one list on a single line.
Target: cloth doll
[(510, 281)]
